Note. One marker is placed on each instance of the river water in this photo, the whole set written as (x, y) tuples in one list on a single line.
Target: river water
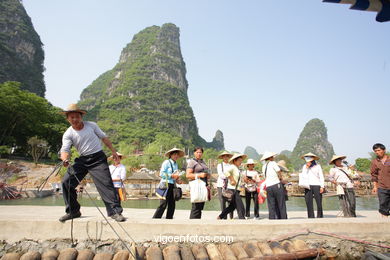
[(293, 204)]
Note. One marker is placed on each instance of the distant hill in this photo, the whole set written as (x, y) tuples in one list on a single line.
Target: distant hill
[(252, 153), (313, 138), (146, 92), (286, 153), (21, 52)]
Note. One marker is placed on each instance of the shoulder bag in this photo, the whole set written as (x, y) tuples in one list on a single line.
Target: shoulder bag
[(229, 194), (177, 192)]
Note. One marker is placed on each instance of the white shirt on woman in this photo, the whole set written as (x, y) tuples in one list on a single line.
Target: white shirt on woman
[(253, 174), (271, 175), (338, 174), (315, 175), (221, 169)]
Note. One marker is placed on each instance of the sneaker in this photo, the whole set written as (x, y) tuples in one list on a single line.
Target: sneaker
[(68, 216), (256, 218), (118, 217)]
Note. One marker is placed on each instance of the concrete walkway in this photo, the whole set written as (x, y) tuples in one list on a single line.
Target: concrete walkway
[(41, 223)]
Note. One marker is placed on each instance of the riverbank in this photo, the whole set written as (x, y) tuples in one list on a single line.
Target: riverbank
[(36, 228), (39, 222)]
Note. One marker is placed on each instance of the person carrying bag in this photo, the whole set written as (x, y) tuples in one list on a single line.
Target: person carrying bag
[(276, 195), (167, 190), (251, 180), (232, 194), (345, 188), (197, 171)]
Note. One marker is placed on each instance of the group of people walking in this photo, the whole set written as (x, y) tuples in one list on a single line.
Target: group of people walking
[(86, 137), (231, 178)]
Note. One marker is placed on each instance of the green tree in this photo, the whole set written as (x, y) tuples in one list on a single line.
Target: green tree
[(164, 142), (24, 115), (363, 164)]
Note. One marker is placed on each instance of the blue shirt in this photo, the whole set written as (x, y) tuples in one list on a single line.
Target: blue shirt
[(167, 168)]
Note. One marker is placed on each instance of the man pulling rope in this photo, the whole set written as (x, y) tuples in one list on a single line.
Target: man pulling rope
[(86, 137)]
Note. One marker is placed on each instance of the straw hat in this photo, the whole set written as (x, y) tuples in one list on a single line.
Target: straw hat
[(282, 164), (335, 157), (237, 155), (225, 153), (268, 155), (181, 152), (315, 157), (119, 154), (73, 108), (250, 161)]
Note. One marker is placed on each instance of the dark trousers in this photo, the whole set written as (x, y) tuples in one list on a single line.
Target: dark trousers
[(384, 201), (223, 201), (96, 164), (348, 202), (276, 202), (196, 210), (236, 203), (169, 201), (309, 194), (248, 197)]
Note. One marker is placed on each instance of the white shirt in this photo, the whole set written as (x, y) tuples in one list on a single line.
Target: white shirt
[(87, 140), (253, 174), (221, 173), (315, 175), (118, 173), (271, 176), (340, 177)]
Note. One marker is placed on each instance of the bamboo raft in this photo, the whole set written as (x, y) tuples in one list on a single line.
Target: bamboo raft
[(251, 250)]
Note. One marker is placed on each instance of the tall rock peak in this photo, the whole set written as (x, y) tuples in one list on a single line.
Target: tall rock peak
[(21, 52), (218, 142), (313, 138), (146, 91)]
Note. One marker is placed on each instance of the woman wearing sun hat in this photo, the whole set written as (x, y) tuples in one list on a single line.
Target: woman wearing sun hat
[(276, 199), (222, 180), (251, 179), (313, 172), (118, 176), (234, 180), (343, 177), (169, 173)]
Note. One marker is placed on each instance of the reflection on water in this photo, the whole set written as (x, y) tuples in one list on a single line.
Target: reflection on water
[(293, 204)]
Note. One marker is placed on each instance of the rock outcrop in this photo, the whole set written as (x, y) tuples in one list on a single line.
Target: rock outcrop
[(313, 138), (21, 52), (146, 92)]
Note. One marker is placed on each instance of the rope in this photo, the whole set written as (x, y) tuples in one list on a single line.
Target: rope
[(322, 233), (98, 237), (58, 167), (105, 218)]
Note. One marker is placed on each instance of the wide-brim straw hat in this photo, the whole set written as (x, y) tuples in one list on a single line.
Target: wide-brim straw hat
[(283, 166), (268, 155), (335, 157), (315, 157), (250, 161), (73, 108), (119, 154), (237, 155), (225, 153), (180, 152)]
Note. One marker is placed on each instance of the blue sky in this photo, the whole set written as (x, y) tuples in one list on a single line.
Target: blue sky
[(257, 70)]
